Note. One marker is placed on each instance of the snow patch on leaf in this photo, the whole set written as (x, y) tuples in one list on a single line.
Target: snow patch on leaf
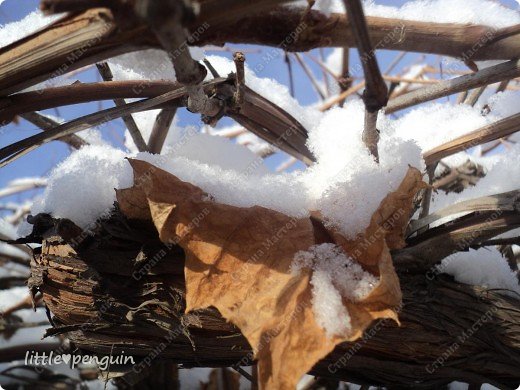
[(335, 277)]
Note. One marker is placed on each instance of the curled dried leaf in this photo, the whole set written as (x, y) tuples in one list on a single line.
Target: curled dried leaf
[(240, 260)]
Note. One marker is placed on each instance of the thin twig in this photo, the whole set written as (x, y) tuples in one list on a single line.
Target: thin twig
[(309, 74), (395, 62), (286, 164), (323, 66), (45, 123), (324, 72), (210, 67), (375, 95), (239, 60), (342, 96), (344, 82), (242, 372), (473, 97), (137, 137), (160, 129), (17, 188), (287, 60), (427, 193)]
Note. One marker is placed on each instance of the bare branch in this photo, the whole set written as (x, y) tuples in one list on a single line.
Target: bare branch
[(46, 123), (473, 97), (287, 59), (375, 95), (80, 93), (97, 35), (493, 74), (137, 137), (160, 129), (309, 74), (352, 90), (167, 20), (20, 148), (239, 60), (17, 186), (345, 82), (491, 132)]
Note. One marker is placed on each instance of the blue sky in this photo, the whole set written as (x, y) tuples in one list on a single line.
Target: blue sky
[(41, 161)]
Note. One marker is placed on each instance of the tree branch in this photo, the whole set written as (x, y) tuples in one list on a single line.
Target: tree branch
[(98, 37), (167, 20), (46, 123), (491, 132), (375, 95), (80, 93), (20, 148), (160, 129), (493, 74), (137, 137)]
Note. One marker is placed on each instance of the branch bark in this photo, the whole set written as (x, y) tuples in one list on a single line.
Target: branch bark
[(97, 35), (160, 129), (375, 95)]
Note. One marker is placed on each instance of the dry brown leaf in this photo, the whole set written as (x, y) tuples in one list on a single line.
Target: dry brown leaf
[(238, 260)]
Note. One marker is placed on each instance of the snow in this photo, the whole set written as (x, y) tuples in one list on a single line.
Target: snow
[(88, 176), (334, 60), (82, 186), (346, 176), (136, 65), (335, 277), (14, 31), (217, 150), (484, 267), (504, 104), (501, 176), (485, 12), (433, 124)]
